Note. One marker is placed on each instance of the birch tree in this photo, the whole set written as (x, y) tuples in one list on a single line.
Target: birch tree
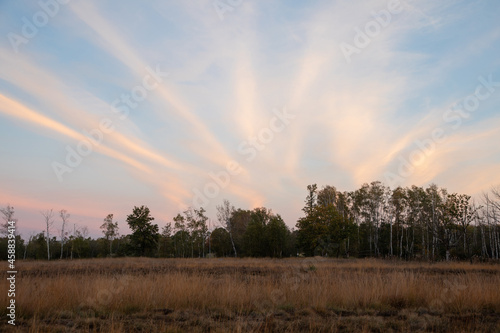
[(224, 214), (64, 218), (48, 219), (181, 231), (326, 196), (197, 224), (436, 199), (110, 231), (398, 214)]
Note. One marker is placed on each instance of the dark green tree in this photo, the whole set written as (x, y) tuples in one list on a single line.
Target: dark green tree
[(221, 242), (254, 238), (311, 199), (277, 237), (266, 234), (324, 231), (145, 235), (37, 247), (166, 243), (238, 225)]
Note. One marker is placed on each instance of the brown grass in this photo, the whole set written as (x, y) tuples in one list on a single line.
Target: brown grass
[(261, 295)]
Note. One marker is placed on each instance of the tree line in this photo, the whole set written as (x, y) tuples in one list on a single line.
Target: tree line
[(409, 223), (372, 221), (258, 233)]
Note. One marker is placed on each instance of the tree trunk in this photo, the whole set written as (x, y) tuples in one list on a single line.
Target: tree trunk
[(48, 244), (391, 240), (401, 244), (484, 249), (232, 242)]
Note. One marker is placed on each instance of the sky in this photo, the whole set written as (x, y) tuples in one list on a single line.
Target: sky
[(108, 105)]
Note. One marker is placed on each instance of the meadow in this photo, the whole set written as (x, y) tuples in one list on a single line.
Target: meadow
[(254, 295)]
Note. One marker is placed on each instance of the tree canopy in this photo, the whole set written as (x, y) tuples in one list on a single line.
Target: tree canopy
[(145, 235)]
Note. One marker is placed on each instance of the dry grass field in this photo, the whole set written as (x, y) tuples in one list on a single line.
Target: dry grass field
[(254, 295)]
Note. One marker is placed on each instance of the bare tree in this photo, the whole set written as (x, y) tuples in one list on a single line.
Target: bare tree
[(8, 216), (224, 213), (64, 217), (47, 216)]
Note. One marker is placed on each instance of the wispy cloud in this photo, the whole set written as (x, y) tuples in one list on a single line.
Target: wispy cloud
[(15, 109), (354, 121)]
